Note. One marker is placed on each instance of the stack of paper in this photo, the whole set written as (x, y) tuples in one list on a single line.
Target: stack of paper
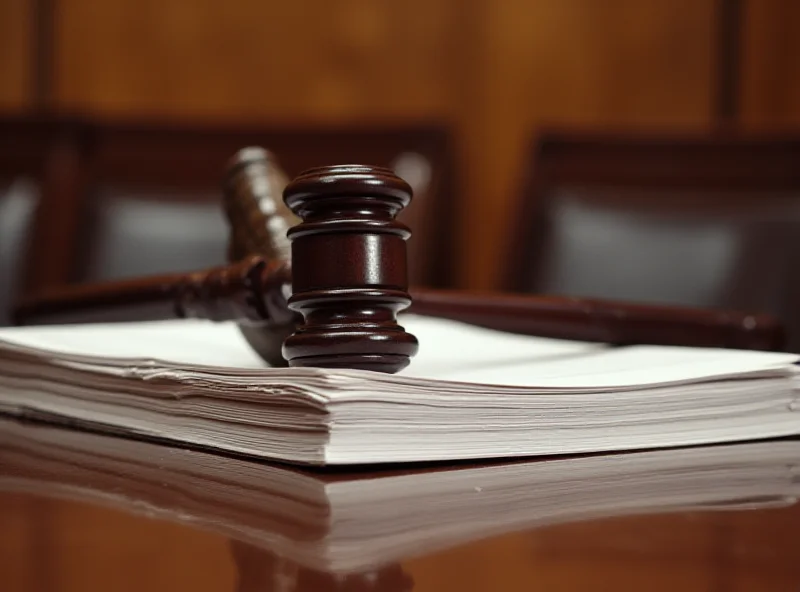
[(470, 393)]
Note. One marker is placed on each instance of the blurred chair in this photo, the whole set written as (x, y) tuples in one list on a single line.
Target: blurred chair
[(38, 157), (706, 220), (153, 204)]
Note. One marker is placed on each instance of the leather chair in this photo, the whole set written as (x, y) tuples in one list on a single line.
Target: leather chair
[(18, 197), (152, 194), (704, 220), (39, 160)]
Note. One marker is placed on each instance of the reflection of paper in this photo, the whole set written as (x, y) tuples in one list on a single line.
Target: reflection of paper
[(355, 521)]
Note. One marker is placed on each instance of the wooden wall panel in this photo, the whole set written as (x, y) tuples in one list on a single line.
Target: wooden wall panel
[(15, 54), (771, 64), (321, 60)]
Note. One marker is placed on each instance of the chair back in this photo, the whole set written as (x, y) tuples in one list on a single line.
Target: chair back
[(39, 159), (152, 194), (706, 221)]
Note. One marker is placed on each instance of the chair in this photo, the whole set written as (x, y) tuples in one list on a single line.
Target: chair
[(152, 198), (704, 220), (39, 157)]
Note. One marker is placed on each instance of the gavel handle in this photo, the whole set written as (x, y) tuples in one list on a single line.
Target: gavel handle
[(253, 291), (607, 321)]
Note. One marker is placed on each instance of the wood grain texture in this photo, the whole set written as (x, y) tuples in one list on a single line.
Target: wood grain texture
[(15, 55), (320, 60), (86, 539), (690, 552), (771, 64)]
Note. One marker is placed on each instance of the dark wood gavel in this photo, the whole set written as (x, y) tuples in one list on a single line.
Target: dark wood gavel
[(326, 292)]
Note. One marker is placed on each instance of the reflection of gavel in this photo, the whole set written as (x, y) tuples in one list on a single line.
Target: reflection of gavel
[(262, 571), (348, 281)]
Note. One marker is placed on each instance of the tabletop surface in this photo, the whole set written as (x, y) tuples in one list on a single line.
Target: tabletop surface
[(84, 511)]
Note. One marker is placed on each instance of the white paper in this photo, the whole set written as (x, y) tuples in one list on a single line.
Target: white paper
[(470, 393), (449, 351)]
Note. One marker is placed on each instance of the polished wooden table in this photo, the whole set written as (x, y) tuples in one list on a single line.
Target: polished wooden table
[(82, 511)]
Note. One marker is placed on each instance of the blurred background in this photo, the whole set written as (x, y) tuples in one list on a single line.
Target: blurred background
[(119, 114)]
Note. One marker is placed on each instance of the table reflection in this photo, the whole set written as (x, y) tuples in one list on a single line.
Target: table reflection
[(82, 510), (262, 571)]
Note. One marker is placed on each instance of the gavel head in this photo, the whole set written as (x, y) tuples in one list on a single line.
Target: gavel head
[(257, 216), (258, 221), (349, 277)]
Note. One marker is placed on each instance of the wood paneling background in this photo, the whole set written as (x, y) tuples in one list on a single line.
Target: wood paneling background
[(319, 60), (15, 54), (495, 70), (771, 81)]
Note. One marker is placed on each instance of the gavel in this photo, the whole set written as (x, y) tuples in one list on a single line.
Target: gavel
[(327, 292)]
